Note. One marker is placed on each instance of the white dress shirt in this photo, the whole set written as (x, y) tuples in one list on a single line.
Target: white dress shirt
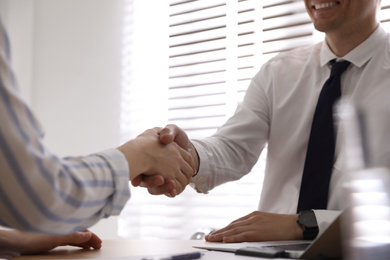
[(277, 111), (39, 191)]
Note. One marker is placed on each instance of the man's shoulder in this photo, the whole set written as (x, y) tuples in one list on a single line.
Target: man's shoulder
[(300, 53), (295, 57)]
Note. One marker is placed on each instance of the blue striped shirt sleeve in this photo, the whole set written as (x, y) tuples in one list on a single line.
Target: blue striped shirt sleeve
[(40, 191)]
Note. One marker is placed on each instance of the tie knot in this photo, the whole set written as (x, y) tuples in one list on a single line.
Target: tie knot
[(338, 67)]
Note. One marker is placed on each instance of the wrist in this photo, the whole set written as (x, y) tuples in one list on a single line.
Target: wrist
[(297, 231), (195, 157), (132, 152)]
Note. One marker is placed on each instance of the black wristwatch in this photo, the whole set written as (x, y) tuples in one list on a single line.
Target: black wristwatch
[(307, 220)]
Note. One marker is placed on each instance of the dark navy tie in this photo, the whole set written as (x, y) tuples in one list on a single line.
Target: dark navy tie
[(320, 151)]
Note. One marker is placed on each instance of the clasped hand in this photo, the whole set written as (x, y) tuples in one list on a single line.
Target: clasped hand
[(162, 167)]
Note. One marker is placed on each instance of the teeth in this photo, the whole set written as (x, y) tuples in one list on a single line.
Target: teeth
[(325, 5)]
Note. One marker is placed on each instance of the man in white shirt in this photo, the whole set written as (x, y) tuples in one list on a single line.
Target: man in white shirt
[(278, 111)]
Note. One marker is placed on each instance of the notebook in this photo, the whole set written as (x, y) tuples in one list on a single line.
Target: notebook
[(328, 244)]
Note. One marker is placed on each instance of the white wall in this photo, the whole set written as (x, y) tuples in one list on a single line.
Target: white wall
[(67, 57), (77, 69), (17, 15)]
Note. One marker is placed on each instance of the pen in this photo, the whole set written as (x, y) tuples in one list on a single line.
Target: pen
[(188, 256)]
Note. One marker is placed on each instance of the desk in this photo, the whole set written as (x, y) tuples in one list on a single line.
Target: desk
[(134, 249)]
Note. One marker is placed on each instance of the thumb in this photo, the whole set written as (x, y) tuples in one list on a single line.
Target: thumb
[(172, 133), (77, 238), (168, 134)]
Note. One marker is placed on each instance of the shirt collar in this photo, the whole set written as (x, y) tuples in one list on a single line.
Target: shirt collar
[(361, 54)]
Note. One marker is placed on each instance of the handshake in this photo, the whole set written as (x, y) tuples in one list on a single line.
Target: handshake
[(163, 160)]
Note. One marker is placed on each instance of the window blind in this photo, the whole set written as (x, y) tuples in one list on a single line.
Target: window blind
[(216, 47), (213, 49)]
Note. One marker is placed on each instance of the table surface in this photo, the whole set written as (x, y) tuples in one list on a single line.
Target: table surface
[(135, 250)]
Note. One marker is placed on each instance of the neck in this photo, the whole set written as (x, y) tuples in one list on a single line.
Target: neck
[(342, 42)]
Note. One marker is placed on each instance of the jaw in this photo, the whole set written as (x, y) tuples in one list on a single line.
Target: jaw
[(324, 13)]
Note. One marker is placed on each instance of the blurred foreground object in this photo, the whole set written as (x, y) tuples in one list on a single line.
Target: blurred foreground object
[(367, 185)]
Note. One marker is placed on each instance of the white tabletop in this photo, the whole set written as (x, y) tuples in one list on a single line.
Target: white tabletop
[(136, 250)]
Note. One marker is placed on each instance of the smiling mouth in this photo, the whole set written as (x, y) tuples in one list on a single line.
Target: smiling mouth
[(325, 5)]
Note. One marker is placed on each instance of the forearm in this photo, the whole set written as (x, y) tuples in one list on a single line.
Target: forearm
[(61, 196), (233, 150), (218, 164)]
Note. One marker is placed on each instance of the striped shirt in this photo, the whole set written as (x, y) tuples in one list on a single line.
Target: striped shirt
[(40, 191)]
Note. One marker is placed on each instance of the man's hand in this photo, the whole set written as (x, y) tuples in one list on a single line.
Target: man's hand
[(13, 242), (259, 226), (173, 133), (155, 184)]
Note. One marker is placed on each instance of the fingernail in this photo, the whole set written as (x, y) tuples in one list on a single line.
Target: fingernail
[(226, 239)]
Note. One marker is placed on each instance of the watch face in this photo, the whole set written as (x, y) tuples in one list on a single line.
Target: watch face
[(308, 219)]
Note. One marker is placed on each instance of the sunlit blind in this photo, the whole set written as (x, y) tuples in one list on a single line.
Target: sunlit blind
[(216, 47), (213, 49)]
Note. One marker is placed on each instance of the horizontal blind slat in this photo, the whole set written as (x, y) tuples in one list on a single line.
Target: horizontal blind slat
[(197, 16)]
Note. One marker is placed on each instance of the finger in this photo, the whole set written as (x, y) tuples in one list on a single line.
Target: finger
[(248, 236), (159, 190), (170, 185), (232, 228), (95, 241), (76, 238), (230, 234), (180, 188), (213, 238), (85, 239), (181, 180), (168, 134), (148, 181), (157, 180), (157, 129), (136, 181)]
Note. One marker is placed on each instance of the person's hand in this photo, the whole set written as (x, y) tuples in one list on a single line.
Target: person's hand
[(169, 134), (164, 165), (155, 184), (16, 242), (173, 133), (257, 227)]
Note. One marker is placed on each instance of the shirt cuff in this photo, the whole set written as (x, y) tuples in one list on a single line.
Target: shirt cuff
[(198, 181), (120, 175), (325, 218)]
